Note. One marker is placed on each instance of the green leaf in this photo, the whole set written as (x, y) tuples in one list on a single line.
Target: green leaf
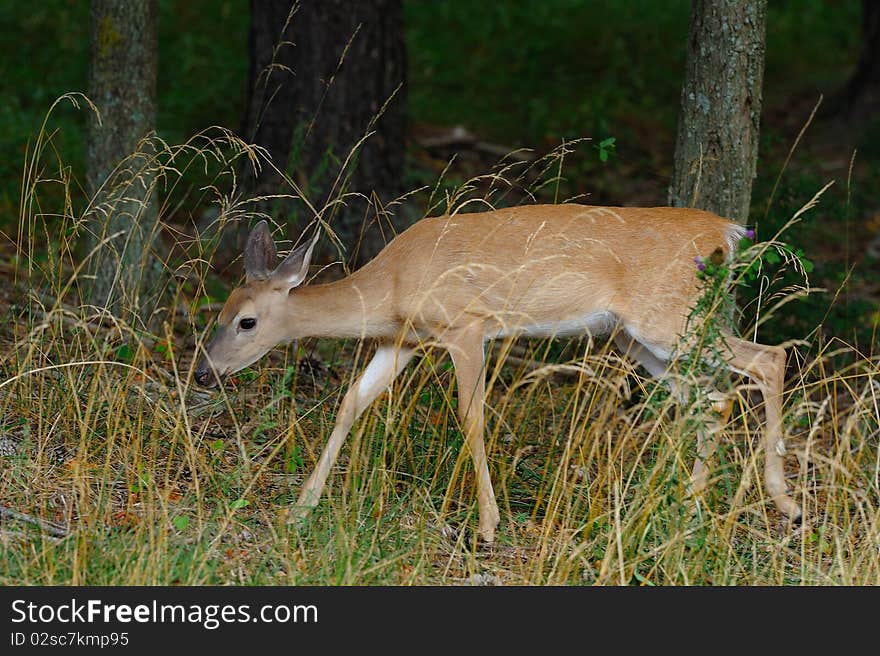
[(641, 579), (247, 375), (294, 461), (605, 148), (180, 522), (124, 353), (238, 504)]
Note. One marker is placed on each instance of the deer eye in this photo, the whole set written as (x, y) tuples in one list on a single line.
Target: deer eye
[(247, 323)]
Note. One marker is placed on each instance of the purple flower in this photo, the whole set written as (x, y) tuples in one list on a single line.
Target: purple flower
[(750, 233), (701, 266)]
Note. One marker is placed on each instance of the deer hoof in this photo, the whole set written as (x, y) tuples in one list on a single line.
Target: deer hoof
[(790, 508), (299, 516), (487, 529)]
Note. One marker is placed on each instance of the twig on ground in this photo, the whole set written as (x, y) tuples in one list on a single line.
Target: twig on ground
[(48, 527)]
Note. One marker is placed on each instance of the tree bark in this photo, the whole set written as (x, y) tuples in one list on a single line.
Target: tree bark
[(859, 99), (717, 144), (272, 89), (323, 77), (121, 169)]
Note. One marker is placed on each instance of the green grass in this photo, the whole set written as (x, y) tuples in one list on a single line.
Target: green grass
[(591, 486)]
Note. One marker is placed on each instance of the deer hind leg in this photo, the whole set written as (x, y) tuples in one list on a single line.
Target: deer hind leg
[(655, 366), (466, 349), (722, 404), (766, 366), (658, 368), (385, 366)]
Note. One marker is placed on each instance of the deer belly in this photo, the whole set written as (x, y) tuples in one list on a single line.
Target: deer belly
[(593, 323)]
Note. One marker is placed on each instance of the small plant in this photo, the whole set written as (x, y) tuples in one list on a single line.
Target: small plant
[(606, 148)]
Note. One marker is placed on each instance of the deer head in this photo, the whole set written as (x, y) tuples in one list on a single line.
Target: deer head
[(252, 321)]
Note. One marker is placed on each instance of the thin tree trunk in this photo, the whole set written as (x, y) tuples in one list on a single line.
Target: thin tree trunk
[(325, 74), (717, 145), (121, 178)]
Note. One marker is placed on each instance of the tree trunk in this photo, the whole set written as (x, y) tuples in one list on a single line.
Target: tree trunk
[(717, 145), (121, 171), (858, 101), (272, 90), (323, 77)]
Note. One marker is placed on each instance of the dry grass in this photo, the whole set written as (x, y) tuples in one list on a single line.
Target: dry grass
[(152, 482)]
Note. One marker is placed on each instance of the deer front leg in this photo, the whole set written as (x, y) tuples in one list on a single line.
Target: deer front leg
[(468, 358), (385, 366)]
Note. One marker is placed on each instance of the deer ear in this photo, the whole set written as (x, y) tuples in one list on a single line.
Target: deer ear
[(259, 253), (292, 271)]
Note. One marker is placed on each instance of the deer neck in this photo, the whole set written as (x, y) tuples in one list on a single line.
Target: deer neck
[(344, 308)]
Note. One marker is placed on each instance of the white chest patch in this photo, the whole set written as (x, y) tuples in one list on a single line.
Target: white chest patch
[(380, 372)]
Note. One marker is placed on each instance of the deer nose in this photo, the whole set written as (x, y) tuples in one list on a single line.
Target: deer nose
[(205, 377)]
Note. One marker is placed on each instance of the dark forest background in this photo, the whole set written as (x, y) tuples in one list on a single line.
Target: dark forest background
[(509, 75)]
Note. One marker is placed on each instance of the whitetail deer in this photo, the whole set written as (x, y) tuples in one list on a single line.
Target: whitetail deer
[(461, 280)]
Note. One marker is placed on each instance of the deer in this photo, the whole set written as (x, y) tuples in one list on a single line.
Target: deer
[(463, 279)]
